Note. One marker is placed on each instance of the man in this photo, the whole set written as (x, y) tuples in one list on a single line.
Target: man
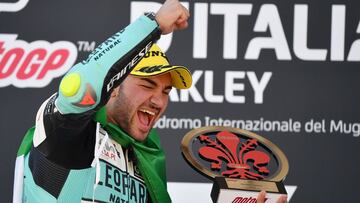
[(93, 139)]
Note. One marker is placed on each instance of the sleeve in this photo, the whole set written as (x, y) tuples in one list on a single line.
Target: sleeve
[(88, 84), (65, 131)]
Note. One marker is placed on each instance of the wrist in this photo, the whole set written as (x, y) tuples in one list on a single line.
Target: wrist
[(152, 16)]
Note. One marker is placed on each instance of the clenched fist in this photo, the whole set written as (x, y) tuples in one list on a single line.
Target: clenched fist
[(172, 16)]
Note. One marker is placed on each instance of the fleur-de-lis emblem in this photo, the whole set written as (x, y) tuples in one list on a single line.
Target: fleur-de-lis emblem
[(226, 148)]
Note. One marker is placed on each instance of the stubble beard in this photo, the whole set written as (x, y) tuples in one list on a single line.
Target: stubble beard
[(125, 115)]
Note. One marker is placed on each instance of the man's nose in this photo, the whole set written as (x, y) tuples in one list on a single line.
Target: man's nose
[(157, 100)]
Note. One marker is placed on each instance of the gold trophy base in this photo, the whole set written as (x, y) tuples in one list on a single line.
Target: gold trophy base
[(231, 190)]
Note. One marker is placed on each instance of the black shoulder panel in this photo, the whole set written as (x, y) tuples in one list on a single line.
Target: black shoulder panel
[(70, 138), (49, 176)]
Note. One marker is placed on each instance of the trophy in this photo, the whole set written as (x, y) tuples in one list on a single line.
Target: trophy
[(240, 163)]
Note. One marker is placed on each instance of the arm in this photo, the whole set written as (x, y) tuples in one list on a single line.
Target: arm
[(65, 130), (88, 84)]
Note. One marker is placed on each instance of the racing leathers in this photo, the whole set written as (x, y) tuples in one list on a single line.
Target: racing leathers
[(72, 155)]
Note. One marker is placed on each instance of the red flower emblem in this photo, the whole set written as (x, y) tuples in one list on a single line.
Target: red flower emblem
[(225, 148)]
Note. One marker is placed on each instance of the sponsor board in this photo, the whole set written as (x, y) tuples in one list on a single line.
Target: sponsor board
[(33, 64)]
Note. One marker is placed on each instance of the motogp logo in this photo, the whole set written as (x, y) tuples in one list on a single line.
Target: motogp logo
[(34, 64)]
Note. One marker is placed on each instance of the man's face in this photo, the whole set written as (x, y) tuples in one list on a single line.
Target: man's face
[(138, 103)]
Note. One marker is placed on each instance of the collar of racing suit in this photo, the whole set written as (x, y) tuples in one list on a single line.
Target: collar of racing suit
[(149, 154)]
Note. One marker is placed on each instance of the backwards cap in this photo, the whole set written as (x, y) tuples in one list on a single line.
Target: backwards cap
[(155, 63)]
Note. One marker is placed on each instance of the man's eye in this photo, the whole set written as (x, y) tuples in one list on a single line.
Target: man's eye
[(167, 92), (146, 86)]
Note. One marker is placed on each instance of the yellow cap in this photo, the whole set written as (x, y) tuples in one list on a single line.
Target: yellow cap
[(70, 84), (155, 63)]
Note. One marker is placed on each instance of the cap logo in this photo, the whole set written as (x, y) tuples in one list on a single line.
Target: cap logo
[(155, 53), (155, 62), (182, 79), (153, 69)]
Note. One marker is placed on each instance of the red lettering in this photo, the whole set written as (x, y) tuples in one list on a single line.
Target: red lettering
[(252, 200), (1, 47), (55, 61), (15, 55), (22, 62), (244, 200), (237, 200), (26, 70)]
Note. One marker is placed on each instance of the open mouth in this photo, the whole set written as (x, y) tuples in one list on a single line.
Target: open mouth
[(146, 117)]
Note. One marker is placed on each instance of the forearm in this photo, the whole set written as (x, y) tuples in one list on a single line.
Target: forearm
[(64, 127), (67, 117), (88, 84)]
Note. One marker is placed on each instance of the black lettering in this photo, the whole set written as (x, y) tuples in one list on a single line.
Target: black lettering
[(118, 33), (107, 176), (125, 183), (98, 48), (117, 180), (112, 198), (115, 199), (108, 41), (141, 193), (96, 58), (133, 190), (155, 53), (147, 54), (117, 42)]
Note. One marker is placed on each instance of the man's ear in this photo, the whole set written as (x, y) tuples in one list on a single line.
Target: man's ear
[(115, 92)]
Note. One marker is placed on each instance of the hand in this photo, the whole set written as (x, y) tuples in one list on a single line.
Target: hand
[(172, 16), (262, 194)]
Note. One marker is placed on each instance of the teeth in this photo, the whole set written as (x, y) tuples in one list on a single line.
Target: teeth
[(148, 112)]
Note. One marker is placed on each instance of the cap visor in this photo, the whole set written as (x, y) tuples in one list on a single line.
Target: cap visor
[(180, 75)]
